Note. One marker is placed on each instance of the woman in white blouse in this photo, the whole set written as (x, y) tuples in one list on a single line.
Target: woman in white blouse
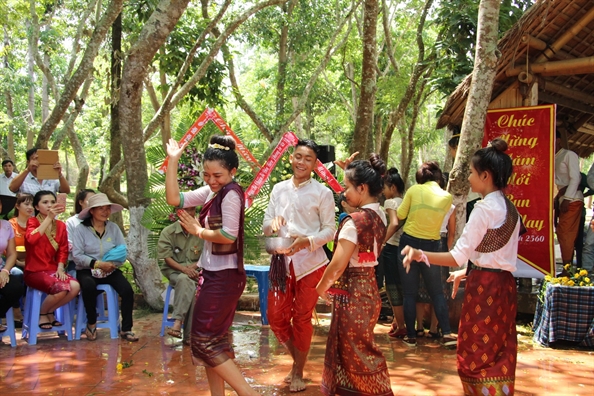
[(487, 341)]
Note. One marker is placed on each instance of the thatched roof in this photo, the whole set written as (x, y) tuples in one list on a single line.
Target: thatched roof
[(556, 39)]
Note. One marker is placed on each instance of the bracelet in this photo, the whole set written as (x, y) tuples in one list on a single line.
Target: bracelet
[(424, 258), (200, 233), (5, 270)]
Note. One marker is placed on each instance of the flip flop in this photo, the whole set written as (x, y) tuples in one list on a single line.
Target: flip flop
[(91, 333), (174, 333), (128, 336)]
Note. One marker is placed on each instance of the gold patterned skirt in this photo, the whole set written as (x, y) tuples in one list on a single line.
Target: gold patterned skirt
[(353, 364), (487, 340)]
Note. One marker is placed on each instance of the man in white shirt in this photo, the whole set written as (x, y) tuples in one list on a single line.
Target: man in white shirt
[(6, 177), (569, 201), (303, 209), (27, 181)]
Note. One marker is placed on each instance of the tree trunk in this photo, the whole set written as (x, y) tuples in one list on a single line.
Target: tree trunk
[(79, 156), (86, 65), (45, 90), (364, 124), (151, 38), (9, 107), (173, 97), (418, 70), (479, 96), (115, 141), (31, 96), (283, 60), (166, 123)]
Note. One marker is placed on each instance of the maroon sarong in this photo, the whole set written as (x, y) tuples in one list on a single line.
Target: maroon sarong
[(214, 309), (487, 340), (354, 365)]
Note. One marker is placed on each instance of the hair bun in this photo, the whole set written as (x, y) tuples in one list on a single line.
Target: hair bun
[(223, 140), (499, 145), (377, 164)]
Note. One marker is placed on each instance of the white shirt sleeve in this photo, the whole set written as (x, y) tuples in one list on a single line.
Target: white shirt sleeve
[(270, 213), (348, 231), (327, 221), (196, 198), (575, 177), (231, 210), (471, 237)]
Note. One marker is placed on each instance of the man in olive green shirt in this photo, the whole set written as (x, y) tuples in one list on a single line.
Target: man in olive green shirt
[(178, 253)]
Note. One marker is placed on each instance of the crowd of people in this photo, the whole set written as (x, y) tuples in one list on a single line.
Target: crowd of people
[(202, 257), (60, 259)]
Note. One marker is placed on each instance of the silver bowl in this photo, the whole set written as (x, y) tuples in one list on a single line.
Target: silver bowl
[(278, 245)]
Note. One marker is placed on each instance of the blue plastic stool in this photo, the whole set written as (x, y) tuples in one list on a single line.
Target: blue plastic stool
[(10, 331), (166, 321), (260, 272), (31, 327), (111, 321)]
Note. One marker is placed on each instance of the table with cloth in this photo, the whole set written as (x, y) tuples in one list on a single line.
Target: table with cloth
[(565, 313)]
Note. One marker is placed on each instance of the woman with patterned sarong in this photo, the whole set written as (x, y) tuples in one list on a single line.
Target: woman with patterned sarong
[(222, 278), (487, 341), (353, 364)]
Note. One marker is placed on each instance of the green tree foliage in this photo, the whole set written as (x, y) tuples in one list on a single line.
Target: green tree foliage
[(456, 24)]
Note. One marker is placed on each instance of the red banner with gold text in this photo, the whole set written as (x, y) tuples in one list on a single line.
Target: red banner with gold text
[(529, 133)]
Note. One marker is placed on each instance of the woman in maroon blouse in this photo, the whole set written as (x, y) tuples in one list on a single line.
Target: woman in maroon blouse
[(46, 243)]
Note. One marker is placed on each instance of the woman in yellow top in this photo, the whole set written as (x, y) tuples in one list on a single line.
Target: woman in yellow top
[(424, 207)]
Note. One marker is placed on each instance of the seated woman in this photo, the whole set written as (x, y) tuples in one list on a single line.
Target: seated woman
[(23, 210), (81, 202), (11, 287), (46, 244), (92, 240)]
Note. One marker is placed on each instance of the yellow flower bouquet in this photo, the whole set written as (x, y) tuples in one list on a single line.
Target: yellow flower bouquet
[(572, 276)]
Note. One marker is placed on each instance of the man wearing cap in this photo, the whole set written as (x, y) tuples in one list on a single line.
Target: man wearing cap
[(178, 252), (303, 209), (7, 177), (27, 180)]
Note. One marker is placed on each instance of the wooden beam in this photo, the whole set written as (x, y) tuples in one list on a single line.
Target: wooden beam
[(540, 45), (556, 68), (544, 96), (570, 33), (567, 92)]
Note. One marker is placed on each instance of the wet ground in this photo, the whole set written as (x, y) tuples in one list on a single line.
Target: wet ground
[(161, 366)]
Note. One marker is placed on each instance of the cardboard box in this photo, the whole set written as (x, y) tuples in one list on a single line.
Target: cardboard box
[(47, 159)]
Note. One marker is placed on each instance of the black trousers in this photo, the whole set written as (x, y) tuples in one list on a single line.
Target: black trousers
[(10, 294), (117, 280)]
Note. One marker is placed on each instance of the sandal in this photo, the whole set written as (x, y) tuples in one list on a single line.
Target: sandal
[(3, 328), (436, 335), (420, 333), (174, 332), (128, 336), (45, 325), (54, 322), (91, 333)]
